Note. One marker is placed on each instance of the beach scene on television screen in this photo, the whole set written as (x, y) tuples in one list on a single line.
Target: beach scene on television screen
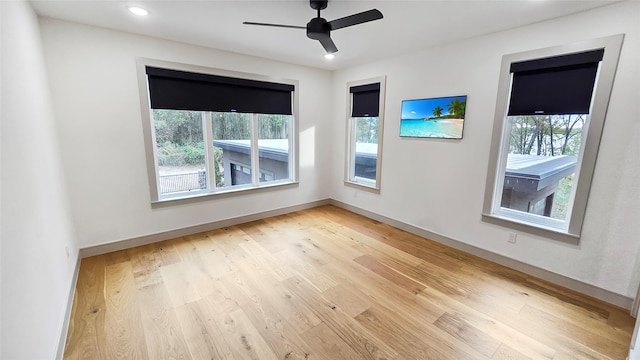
[(433, 118)]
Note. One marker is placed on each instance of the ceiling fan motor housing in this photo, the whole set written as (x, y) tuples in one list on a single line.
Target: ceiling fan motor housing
[(318, 29), (318, 4)]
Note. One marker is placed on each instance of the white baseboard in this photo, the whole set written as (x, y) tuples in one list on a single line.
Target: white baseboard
[(569, 283), (67, 315), (171, 234)]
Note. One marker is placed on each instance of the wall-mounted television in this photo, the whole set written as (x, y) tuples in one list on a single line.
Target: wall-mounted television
[(441, 117)]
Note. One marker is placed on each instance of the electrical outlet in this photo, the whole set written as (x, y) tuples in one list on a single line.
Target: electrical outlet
[(512, 237)]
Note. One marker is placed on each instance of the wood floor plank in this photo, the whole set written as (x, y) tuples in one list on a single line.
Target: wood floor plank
[(567, 311), (620, 321), (568, 296), (308, 272), (349, 300), (164, 338), (124, 332), (167, 252), (388, 273), (508, 336), (339, 233), (581, 354), (278, 269), (422, 251), (336, 246), (246, 283), (325, 283), (596, 342), (541, 334), (238, 286), (266, 234), (408, 341), (203, 337), (198, 251), (221, 301), (216, 262), (504, 352), (543, 289), (116, 257), (243, 338), (275, 329), (310, 254), (468, 334), (360, 238), (393, 256), (462, 287), (146, 260), (226, 241), (296, 311), (85, 337), (305, 219), (351, 332), (325, 341), (382, 291), (182, 285)]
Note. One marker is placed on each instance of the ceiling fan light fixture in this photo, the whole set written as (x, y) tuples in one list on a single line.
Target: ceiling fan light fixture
[(138, 11), (329, 56)]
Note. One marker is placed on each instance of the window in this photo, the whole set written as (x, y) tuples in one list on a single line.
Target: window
[(209, 131), (364, 132), (549, 118)]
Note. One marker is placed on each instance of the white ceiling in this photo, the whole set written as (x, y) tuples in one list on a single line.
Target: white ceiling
[(407, 26)]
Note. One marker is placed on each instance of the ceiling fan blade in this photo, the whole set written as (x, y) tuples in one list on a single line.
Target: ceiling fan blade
[(355, 19), (328, 45), (274, 25)]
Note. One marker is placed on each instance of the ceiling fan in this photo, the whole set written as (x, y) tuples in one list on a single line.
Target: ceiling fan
[(320, 29)]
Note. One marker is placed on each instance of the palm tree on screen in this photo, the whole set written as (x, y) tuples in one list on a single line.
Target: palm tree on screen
[(437, 111), (457, 108)]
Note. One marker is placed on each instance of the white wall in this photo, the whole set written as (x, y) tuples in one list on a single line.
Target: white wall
[(36, 218), (634, 351), (439, 185), (95, 92), (1, 28)]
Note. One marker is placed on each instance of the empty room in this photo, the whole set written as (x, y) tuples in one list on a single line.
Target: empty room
[(280, 179)]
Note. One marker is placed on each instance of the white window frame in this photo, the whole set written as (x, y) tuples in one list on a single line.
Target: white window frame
[(570, 229), (150, 141), (350, 178)]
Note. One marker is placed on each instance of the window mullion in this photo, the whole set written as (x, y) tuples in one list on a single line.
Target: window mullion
[(291, 147), (352, 148), (208, 150), (155, 157), (255, 163)]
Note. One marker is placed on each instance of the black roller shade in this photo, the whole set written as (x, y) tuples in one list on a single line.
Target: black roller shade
[(182, 90), (555, 85), (366, 100)]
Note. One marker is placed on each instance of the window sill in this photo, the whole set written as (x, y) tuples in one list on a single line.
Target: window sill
[(526, 227), (200, 196), (368, 186)]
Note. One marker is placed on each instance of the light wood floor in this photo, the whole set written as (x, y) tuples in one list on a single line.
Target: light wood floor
[(327, 284)]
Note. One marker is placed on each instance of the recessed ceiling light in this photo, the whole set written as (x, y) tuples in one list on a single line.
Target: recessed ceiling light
[(329, 56), (138, 11)]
